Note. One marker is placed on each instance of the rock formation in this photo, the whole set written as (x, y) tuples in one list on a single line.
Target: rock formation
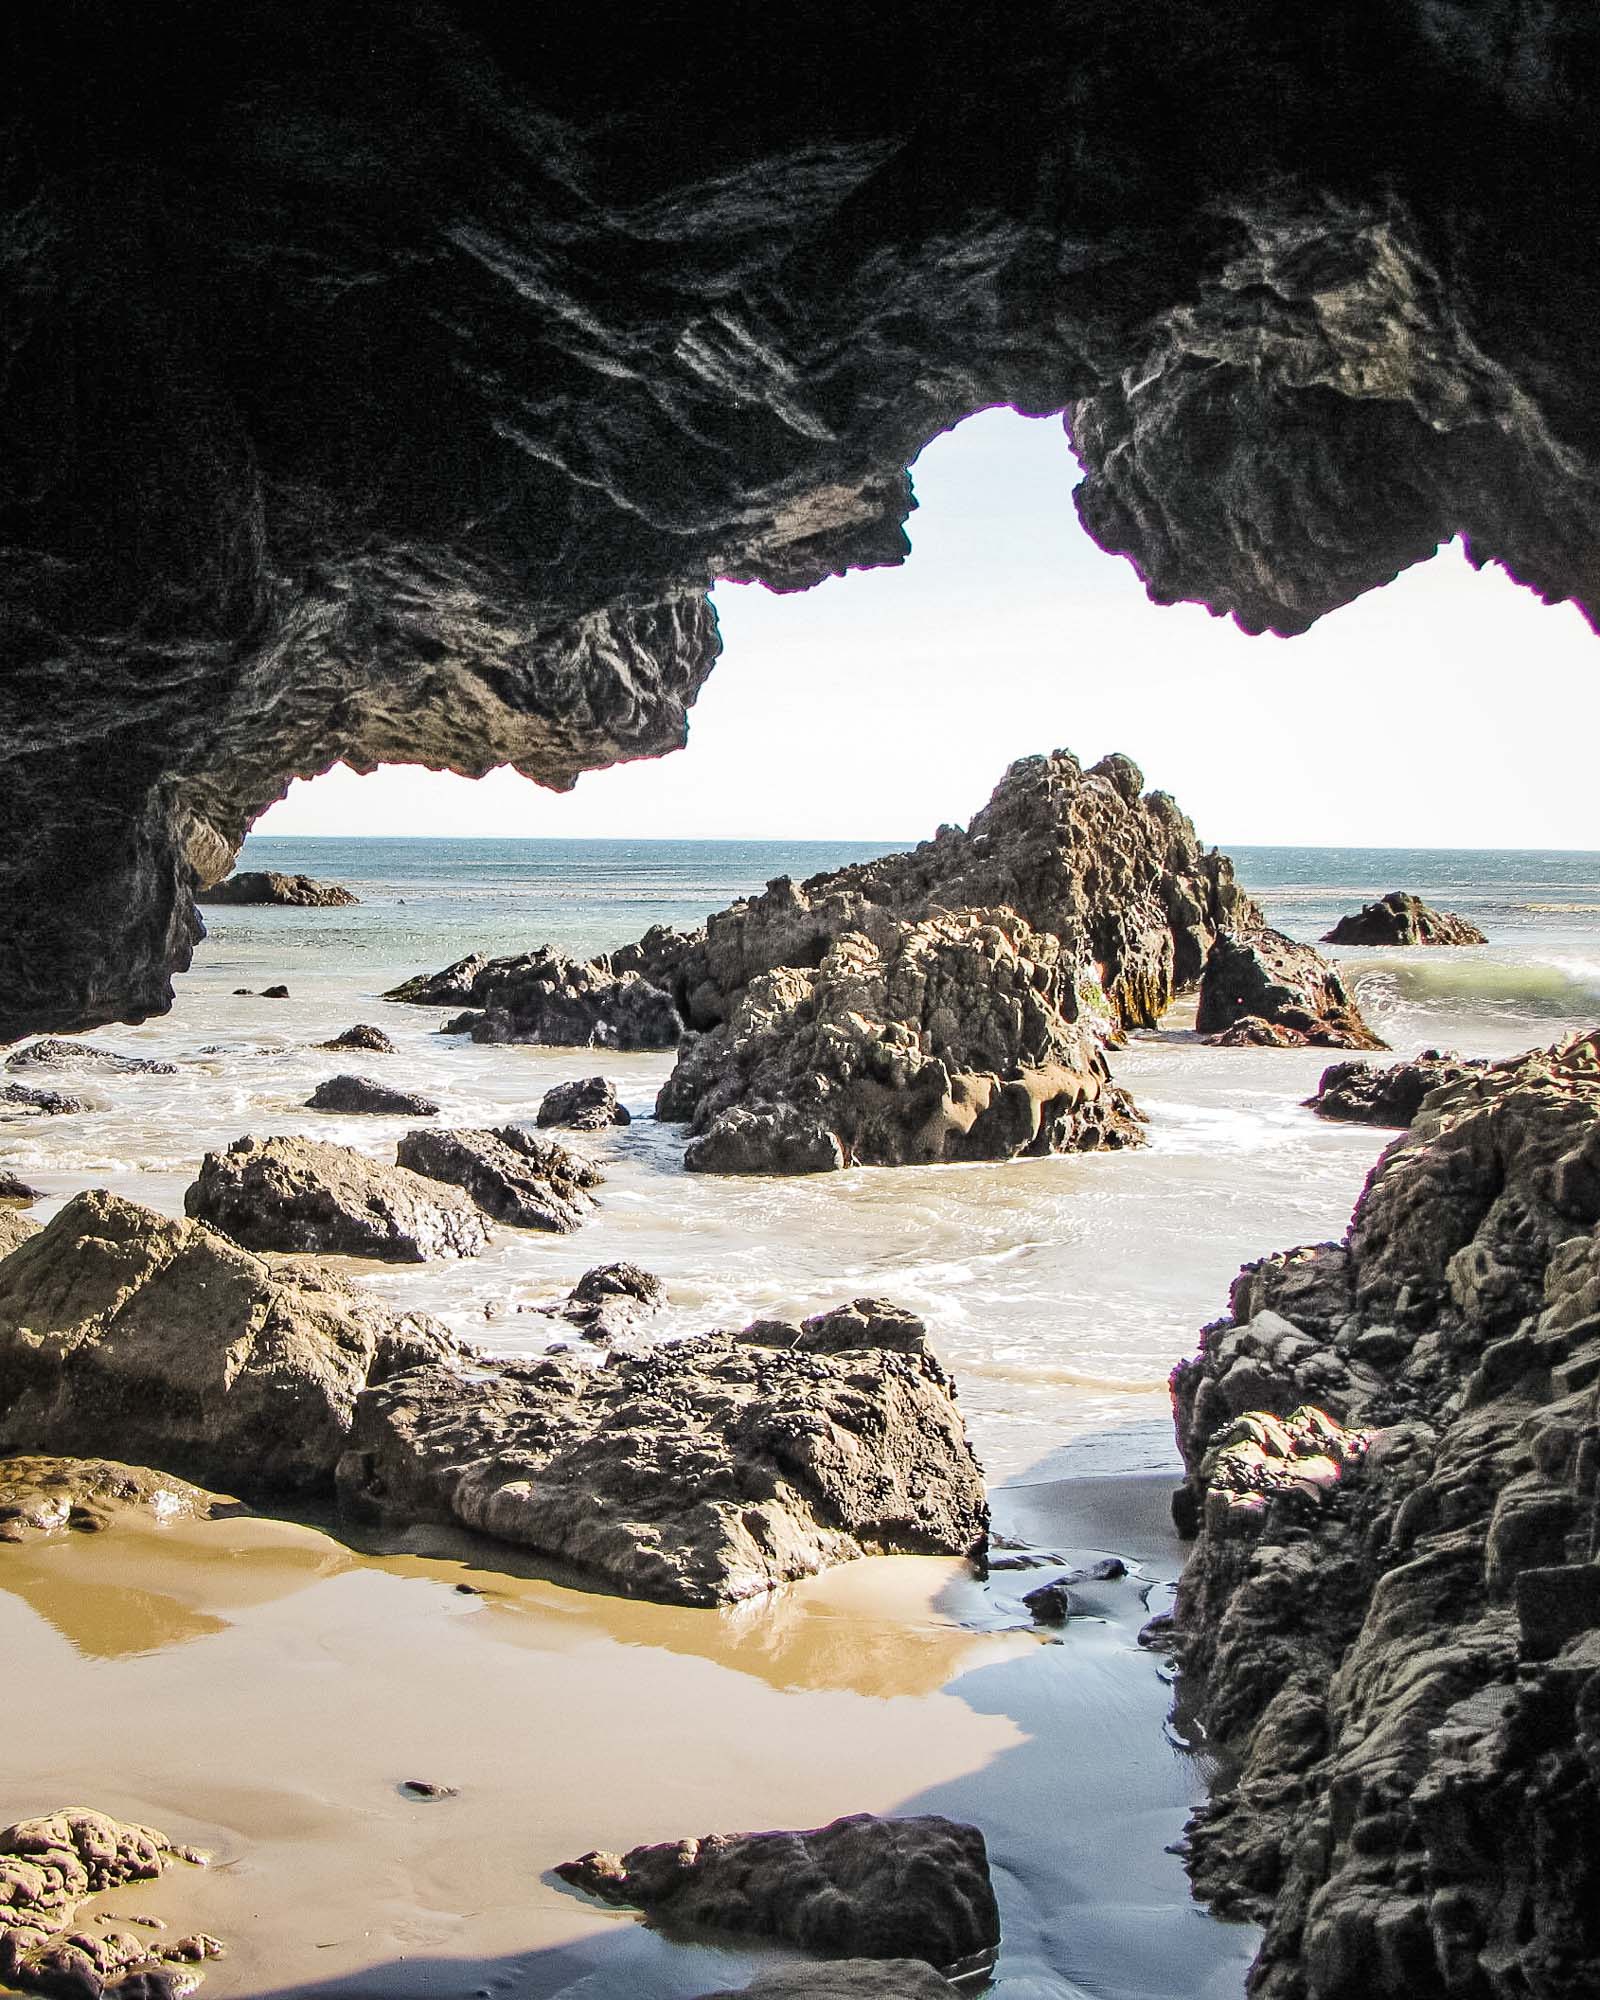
[(862, 1887), (297, 892), (1391, 1617), (589, 1105), (13, 1188), (1402, 919), (697, 1473), (1263, 989), (52, 1053), (42, 1495), (844, 1979), (48, 1866), (125, 1335), (544, 996), (15, 1228), (301, 1194), (25, 1101), (362, 1036), (509, 1173), (1358, 1094), (363, 1094), (606, 1304)]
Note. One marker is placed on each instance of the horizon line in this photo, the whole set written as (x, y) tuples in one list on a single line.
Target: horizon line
[(871, 840)]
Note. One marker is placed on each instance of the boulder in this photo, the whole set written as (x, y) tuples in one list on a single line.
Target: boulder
[(861, 1323), (48, 1866), (449, 988), (265, 885), (697, 1473), (125, 1334), (23, 1099), (15, 1228), (303, 1194), (43, 1495), (589, 1105), (1390, 1620), (1358, 1094), (845, 1979), (52, 1053), (606, 1303), (362, 1036), (13, 1188), (511, 1174), (861, 1887), (1266, 977), (363, 1094), (1399, 918), (544, 996)]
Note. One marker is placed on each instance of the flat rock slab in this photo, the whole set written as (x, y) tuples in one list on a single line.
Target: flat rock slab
[(303, 1194), (861, 1887), (53, 1053), (42, 1495), (697, 1473), (364, 1094), (510, 1172)]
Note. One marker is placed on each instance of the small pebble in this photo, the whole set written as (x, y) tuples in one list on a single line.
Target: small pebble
[(420, 1788)]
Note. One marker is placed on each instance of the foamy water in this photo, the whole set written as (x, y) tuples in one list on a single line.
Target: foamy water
[(1060, 1290)]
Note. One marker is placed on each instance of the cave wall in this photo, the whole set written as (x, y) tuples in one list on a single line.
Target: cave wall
[(390, 382)]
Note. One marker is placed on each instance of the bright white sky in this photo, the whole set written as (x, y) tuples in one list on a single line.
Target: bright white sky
[(1451, 709)]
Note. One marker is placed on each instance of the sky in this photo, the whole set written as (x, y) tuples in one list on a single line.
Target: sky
[(1451, 709)]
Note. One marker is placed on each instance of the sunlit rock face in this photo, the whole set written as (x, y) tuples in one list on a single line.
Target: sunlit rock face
[(389, 383)]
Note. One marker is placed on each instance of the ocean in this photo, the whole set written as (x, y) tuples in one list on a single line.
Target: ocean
[(1061, 1291)]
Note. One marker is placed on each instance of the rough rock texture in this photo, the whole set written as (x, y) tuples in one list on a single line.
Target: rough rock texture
[(512, 1175), (844, 1979), (1359, 1094), (544, 996), (1391, 1617), (13, 1188), (299, 892), (362, 1036), (1262, 982), (362, 1093), (606, 1304), (861, 1323), (43, 1495), (863, 1887), (697, 1473), (52, 1053), (301, 1194), (1399, 918), (15, 1228), (124, 1334), (24, 1101), (422, 376), (48, 1866), (589, 1105)]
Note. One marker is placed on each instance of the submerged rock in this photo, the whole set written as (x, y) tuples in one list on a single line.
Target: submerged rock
[(864, 1887), (1391, 1617), (363, 1094), (303, 1194), (1358, 1094), (125, 1334), (45, 1495), (587, 1106), (606, 1303), (52, 1053), (511, 1174), (362, 1036), (697, 1473), (1398, 919), (265, 885), (1266, 977), (21, 1097), (544, 996), (844, 1979)]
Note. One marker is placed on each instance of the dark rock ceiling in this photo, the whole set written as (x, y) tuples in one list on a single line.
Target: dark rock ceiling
[(389, 382)]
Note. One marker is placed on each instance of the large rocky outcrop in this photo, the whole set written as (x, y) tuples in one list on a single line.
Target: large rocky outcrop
[(392, 392), (696, 1473), (1261, 988), (1391, 1618), (1399, 918), (862, 1887), (1357, 1093), (295, 892), (126, 1335)]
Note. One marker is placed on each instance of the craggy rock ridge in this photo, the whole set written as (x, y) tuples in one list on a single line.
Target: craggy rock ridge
[(1357, 1094), (299, 892), (425, 364), (544, 996), (1391, 1617), (510, 1173), (697, 1473), (863, 1887), (1402, 919), (1264, 990), (44, 1495)]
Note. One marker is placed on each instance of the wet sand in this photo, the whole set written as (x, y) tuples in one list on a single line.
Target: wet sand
[(259, 1689)]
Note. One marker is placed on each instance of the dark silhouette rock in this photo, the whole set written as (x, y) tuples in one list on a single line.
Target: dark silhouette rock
[(587, 1106), (462, 1023), (13, 1188), (125, 1334), (1402, 919), (54, 1054), (1265, 977), (274, 993), (302, 1194), (299, 892), (1390, 1619), (544, 996), (361, 1093), (362, 1036), (24, 1099), (517, 1178), (863, 1887), (1359, 1094)]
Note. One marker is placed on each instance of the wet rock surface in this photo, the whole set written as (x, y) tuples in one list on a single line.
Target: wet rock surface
[(54, 1054), (364, 1094), (45, 1495), (845, 1979), (303, 1194), (1391, 1617), (15, 1228), (1360, 1093), (126, 1335), (1261, 989), (862, 1887), (606, 1304), (1402, 919), (589, 1105), (23, 1100), (510, 1173), (546, 997), (51, 1865), (265, 885), (697, 1473), (362, 1036), (13, 1188)]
